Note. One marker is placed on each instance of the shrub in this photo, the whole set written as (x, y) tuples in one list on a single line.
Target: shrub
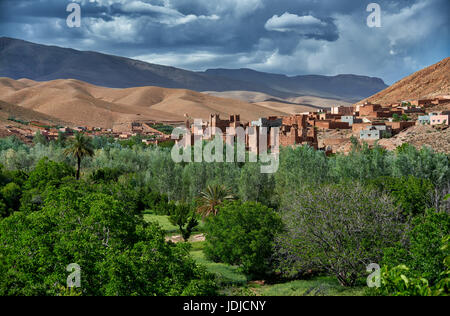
[(403, 281), (184, 217), (336, 228), (411, 194), (106, 175), (243, 234), (156, 203), (48, 173), (424, 252)]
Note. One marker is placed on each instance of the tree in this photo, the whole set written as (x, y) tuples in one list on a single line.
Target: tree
[(10, 194), (336, 228), (210, 200), (243, 234), (422, 266), (40, 139), (256, 186), (184, 218), (79, 147), (422, 252), (411, 194), (47, 173), (117, 251)]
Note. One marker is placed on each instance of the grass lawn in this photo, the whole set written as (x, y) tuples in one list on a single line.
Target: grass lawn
[(227, 275), (235, 283), (163, 221), (165, 224), (319, 286)]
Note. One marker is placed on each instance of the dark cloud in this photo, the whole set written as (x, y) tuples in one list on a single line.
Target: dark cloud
[(283, 36)]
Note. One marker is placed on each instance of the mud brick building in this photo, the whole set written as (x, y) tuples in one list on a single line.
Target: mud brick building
[(351, 120), (293, 135), (368, 109), (342, 110), (375, 132), (422, 102), (300, 120), (271, 121), (331, 124), (397, 127), (377, 111), (329, 116)]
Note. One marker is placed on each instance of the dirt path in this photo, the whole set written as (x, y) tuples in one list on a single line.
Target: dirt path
[(179, 238)]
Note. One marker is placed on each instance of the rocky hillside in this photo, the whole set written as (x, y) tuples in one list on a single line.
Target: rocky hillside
[(427, 83)]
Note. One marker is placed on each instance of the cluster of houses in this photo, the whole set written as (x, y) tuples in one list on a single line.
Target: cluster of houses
[(150, 134), (372, 122), (368, 122)]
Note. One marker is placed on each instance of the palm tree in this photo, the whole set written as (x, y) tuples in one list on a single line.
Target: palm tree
[(212, 198), (79, 147)]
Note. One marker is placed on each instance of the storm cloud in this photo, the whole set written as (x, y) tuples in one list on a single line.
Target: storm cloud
[(283, 36)]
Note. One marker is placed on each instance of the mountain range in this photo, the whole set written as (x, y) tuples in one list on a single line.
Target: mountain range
[(21, 59)]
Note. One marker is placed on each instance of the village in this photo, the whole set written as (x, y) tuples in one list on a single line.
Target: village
[(367, 122)]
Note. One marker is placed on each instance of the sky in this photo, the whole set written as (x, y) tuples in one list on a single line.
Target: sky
[(292, 37)]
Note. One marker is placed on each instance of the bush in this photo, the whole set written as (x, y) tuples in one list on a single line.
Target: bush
[(243, 234), (156, 203), (411, 194), (336, 228), (423, 253), (106, 175), (403, 281), (48, 173), (184, 217)]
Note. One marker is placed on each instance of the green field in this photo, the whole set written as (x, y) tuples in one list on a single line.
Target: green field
[(165, 224), (319, 286), (227, 275), (163, 221)]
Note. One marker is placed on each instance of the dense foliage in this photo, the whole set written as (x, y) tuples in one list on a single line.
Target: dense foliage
[(77, 222), (243, 234), (361, 202), (422, 266)]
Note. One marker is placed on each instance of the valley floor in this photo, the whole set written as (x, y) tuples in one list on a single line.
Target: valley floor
[(235, 283)]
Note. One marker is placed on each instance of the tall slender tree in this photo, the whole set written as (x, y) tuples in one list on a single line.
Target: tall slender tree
[(79, 147), (210, 200)]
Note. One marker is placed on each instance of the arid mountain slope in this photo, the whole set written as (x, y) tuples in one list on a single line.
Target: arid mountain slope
[(291, 105), (427, 83), (8, 111), (21, 59), (84, 104)]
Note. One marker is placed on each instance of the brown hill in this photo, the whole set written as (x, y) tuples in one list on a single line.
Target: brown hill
[(427, 83), (290, 105), (81, 103), (419, 136), (8, 110)]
